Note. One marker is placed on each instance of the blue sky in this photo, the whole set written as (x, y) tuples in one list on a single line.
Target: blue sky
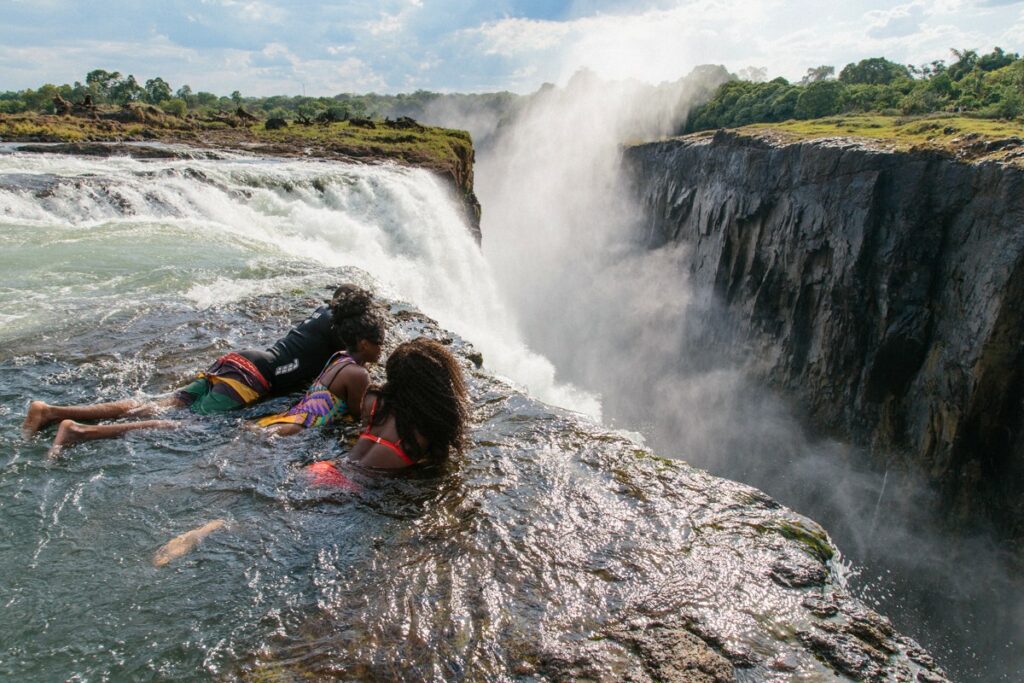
[(265, 47)]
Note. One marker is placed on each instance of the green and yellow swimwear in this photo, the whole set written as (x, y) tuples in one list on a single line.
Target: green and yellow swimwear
[(232, 382)]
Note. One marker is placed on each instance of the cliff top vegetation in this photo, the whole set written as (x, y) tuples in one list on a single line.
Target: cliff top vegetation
[(968, 139), (103, 87), (986, 86)]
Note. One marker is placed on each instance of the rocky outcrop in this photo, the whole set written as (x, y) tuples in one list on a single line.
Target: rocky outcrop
[(557, 550), (883, 290)]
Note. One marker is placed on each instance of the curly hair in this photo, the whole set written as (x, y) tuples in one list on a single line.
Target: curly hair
[(354, 316), (426, 393)]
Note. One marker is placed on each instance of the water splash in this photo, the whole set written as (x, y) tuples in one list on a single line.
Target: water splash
[(118, 234)]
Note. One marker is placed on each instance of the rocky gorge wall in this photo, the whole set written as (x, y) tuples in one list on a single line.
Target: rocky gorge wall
[(882, 290)]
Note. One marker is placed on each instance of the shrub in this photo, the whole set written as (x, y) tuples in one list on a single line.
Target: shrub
[(175, 106), (821, 98)]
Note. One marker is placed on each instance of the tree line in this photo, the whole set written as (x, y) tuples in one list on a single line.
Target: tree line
[(985, 85), (111, 88)]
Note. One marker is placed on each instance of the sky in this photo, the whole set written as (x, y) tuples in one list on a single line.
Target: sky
[(278, 47)]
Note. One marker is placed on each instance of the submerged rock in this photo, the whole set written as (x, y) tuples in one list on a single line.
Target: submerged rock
[(557, 550), (882, 289)]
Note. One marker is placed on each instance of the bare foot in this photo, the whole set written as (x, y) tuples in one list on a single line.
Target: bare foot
[(68, 432), (179, 545), (37, 418)]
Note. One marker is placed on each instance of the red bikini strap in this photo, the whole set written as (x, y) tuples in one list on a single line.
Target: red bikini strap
[(393, 447), (373, 411)]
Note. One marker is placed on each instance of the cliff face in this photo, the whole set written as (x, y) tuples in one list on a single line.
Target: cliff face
[(884, 290)]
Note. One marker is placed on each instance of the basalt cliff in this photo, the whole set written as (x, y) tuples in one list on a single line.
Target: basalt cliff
[(881, 289)]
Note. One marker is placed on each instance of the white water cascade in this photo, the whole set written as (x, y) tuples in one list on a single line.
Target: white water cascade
[(85, 237)]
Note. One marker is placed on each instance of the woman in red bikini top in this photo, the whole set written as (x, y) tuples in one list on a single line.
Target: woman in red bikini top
[(419, 415)]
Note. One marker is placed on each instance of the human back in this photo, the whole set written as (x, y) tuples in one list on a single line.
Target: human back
[(339, 388), (419, 415)]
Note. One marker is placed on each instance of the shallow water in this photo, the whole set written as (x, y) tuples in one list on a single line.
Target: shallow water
[(553, 549)]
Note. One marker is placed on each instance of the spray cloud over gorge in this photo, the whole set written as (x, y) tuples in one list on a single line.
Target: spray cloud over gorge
[(567, 242)]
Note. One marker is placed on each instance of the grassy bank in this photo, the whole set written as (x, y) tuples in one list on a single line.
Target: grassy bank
[(969, 139), (442, 149)]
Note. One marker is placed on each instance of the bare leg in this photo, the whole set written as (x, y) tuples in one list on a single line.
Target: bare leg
[(71, 432), (179, 545), (285, 429), (41, 414)]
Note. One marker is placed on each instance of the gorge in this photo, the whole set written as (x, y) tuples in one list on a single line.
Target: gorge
[(882, 289), (282, 227)]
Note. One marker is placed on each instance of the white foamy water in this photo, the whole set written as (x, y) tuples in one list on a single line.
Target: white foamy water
[(90, 237)]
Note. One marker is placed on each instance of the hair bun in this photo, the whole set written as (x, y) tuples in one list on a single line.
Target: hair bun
[(350, 301)]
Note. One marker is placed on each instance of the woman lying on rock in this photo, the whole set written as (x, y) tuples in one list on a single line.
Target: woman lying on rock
[(237, 379), (420, 413), (419, 416)]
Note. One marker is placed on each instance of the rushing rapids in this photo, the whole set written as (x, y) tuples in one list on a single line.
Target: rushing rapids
[(553, 549)]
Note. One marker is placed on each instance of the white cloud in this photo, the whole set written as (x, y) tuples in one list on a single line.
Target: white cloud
[(391, 23), (896, 22), (449, 45), (512, 37), (254, 11)]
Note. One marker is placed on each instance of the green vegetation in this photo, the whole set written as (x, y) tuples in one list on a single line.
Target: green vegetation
[(111, 88), (904, 132), (968, 139), (987, 86)]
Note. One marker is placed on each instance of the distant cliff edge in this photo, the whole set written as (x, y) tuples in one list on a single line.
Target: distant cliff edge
[(102, 131), (884, 290)]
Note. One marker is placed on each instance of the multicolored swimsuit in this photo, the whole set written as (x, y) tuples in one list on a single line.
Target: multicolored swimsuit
[(232, 382), (319, 407)]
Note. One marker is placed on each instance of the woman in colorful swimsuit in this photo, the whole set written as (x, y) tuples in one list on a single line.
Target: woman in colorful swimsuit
[(233, 381), (341, 385), (420, 415)]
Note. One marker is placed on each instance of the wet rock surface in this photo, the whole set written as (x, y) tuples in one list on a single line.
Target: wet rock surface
[(882, 289), (552, 550), (556, 550)]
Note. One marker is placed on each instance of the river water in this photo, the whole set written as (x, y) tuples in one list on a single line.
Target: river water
[(120, 278)]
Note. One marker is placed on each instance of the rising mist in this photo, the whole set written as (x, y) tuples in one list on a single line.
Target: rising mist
[(565, 240)]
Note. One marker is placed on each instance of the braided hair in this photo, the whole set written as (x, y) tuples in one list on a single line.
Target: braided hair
[(426, 393), (354, 317)]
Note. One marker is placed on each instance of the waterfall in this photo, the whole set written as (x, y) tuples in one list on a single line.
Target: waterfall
[(86, 237)]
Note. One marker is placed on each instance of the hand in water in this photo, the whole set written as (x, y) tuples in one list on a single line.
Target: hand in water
[(180, 545)]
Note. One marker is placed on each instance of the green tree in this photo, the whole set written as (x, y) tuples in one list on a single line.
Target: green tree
[(175, 105), (236, 97), (157, 90), (921, 100), (41, 99), (996, 59), (821, 98), (873, 71), (101, 82), (206, 99), (12, 105), (965, 62), (126, 90)]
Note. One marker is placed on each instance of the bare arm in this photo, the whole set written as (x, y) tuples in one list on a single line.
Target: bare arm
[(350, 384), (181, 544)]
